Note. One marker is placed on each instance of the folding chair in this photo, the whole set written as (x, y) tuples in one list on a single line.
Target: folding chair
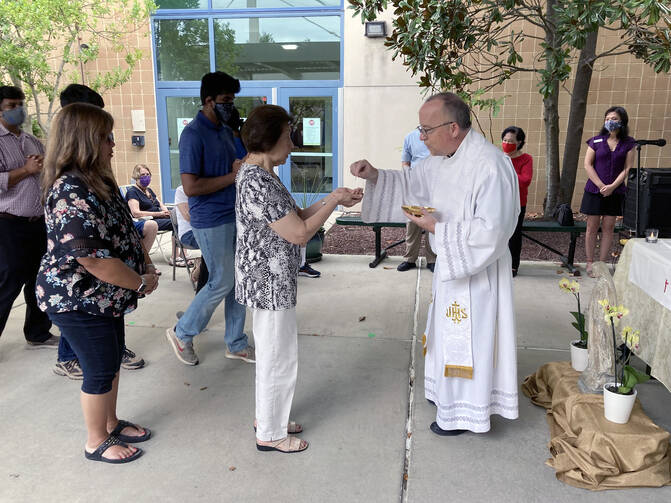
[(181, 246)]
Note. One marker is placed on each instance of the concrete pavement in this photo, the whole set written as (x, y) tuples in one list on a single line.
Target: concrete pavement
[(356, 329)]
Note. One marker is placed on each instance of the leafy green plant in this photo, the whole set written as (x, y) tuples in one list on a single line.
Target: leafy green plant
[(473, 46), (47, 44), (627, 377), (312, 186)]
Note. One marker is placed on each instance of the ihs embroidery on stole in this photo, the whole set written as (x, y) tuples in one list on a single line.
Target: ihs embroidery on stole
[(456, 313)]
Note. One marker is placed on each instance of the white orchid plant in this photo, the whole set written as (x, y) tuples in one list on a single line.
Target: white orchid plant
[(573, 287), (627, 377)]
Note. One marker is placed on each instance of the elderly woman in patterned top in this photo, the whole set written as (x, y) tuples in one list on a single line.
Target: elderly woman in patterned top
[(270, 230), (93, 270)]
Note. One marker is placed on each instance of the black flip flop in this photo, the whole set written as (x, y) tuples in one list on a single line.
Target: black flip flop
[(97, 455), (129, 438)]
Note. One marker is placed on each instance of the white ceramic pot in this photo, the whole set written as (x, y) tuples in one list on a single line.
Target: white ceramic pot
[(579, 357), (616, 407)]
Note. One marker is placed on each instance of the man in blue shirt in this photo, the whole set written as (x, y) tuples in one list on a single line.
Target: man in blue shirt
[(414, 151), (208, 167)]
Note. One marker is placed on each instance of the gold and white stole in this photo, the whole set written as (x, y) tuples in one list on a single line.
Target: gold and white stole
[(455, 327)]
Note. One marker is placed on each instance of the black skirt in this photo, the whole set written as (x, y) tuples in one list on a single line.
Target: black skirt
[(596, 204)]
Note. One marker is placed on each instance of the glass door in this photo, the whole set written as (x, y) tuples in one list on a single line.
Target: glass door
[(176, 108), (311, 171)]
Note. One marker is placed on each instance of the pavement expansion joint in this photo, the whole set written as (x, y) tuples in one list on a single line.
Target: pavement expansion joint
[(411, 394)]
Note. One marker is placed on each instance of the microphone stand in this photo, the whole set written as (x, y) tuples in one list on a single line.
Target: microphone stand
[(638, 184)]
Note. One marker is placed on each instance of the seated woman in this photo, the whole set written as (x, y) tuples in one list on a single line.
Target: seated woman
[(143, 202), (93, 270), (270, 230)]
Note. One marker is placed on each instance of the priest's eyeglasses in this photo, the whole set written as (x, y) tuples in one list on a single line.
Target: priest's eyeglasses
[(426, 130)]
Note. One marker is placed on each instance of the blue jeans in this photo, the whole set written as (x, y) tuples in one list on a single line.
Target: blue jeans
[(189, 240), (217, 244)]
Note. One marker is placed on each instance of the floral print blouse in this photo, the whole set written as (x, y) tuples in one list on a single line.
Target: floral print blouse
[(79, 224), (266, 264)]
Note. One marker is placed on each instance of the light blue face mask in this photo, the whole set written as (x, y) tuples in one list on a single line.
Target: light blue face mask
[(612, 125), (15, 116)]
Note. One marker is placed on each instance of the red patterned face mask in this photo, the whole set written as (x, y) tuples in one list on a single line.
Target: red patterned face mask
[(508, 148)]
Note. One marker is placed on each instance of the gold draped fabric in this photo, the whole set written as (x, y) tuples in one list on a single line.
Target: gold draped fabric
[(589, 451)]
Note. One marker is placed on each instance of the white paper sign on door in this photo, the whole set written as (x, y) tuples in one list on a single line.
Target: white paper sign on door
[(312, 132), (181, 124)]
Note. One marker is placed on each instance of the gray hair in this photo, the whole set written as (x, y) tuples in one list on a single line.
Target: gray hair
[(455, 107)]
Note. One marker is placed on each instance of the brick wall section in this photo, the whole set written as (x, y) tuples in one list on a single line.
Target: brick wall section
[(137, 94)]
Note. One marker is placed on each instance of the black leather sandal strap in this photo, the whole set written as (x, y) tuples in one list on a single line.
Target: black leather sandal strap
[(107, 443), (121, 425)]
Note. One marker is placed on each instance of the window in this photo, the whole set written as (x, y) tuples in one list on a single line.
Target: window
[(181, 4), (279, 48), (182, 49), (273, 4)]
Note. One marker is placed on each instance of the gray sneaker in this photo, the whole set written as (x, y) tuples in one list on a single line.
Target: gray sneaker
[(70, 369), (130, 361), (183, 350), (246, 355)]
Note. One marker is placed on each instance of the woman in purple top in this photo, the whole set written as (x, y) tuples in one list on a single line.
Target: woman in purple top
[(609, 157)]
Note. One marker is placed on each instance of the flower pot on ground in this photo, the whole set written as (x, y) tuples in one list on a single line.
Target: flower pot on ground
[(617, 406), (619, 396), (579, 355), (313, 251)]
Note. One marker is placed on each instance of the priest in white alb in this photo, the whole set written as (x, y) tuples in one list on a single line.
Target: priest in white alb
[(469, 341)]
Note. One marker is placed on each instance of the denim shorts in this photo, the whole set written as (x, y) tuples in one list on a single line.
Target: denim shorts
[(98, 343)]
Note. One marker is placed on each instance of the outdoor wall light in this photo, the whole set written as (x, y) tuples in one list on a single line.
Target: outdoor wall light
[(376, 29), (289, 47)]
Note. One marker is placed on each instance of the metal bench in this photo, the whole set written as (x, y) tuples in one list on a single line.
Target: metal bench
[(553, 226), (380, 254)]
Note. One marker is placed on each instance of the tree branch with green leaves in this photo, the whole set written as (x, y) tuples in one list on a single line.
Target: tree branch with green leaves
[(472, 46), (47, 43)]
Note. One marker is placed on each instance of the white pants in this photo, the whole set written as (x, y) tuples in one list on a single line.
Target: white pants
[(276, 341)]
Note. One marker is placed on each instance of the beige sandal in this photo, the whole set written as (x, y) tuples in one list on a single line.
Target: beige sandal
[(287, 445)]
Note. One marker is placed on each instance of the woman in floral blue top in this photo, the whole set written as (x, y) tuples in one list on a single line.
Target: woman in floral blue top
[(93, 270)]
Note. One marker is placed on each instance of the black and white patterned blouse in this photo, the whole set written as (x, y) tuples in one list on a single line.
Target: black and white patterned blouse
[(266, 264)]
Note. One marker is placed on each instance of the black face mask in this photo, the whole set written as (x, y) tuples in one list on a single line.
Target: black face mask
[(234, 121), (224, 111)]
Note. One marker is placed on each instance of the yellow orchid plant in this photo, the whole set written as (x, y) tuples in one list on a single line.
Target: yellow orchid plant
[(628, 376), (573, 287)]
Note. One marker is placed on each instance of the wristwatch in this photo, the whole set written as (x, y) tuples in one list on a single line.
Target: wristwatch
[(143, 286)]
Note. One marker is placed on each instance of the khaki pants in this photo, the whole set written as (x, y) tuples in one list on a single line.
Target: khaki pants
[(413, 240)]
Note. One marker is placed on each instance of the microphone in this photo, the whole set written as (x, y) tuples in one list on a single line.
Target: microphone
[(660, 143)]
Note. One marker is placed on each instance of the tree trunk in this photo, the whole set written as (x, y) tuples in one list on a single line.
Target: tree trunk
[(551, 119), (576, 118)]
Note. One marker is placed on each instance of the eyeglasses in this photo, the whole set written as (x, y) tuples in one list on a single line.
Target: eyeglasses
[(426, 130)]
